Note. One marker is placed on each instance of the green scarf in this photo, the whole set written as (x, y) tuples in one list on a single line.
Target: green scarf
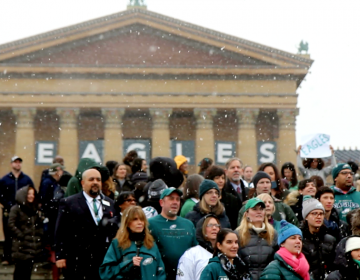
[(357, 262)]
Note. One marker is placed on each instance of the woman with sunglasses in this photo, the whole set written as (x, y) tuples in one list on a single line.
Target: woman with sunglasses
[(315, 166), (124, 201), (133, 254), (194, 260), (318, 244)]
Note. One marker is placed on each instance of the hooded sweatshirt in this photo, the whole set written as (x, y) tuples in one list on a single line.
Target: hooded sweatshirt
[(346, 202), (74, 185), (195, 259)]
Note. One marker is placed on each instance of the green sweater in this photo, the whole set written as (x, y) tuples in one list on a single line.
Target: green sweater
[(173, 237), (118, 263), (344, 203), (213, 271), (187, 207)]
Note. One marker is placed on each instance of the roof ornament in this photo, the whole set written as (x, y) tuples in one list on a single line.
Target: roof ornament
[(303, 47), (136, 4)]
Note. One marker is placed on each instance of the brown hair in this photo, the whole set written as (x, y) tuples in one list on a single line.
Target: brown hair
[(108, 185), (307, 163), (204, 225), (218, 209), (318, 181), (191, 188), (280, 186), (123, 233), (117, 167)]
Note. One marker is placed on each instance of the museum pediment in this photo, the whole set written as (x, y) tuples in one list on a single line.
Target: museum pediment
[(139, 38)]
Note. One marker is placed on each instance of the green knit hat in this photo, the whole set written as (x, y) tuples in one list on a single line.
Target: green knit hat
[(340, 166), (207, 185)]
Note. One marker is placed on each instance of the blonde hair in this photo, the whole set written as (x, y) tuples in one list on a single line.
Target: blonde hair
[(109, 185), (218, 209), (265, 196), (122, 235), (246, 226)]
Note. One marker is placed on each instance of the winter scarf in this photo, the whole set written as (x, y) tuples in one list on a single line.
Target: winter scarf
[(299, 264), (235, 271)]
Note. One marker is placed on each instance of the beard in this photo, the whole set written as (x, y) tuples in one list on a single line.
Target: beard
[(94, 193)]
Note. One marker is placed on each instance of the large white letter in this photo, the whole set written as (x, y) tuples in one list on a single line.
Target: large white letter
[(140, 148), (224, 152), (91, 152), (45, 152), (269, 155)]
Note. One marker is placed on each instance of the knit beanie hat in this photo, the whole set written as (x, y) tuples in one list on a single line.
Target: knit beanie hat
[(286, 230), (309, 204), (258, 176), (207, 185), (180, 159), (340, 166), (352, 243), (155, 190)]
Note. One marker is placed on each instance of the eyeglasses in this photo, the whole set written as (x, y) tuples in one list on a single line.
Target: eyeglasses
[(316, 214), (212, 225), (130, 200), (346, 173)]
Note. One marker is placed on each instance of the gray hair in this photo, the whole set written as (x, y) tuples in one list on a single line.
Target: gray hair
[(227, 164)]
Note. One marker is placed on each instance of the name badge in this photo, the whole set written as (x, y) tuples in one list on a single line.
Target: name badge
[(107, 203)]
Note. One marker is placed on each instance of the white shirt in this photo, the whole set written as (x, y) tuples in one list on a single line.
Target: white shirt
[(236, 187), (89, 201)]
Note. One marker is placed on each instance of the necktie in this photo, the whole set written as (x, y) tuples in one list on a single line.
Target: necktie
[(238, 190), (96, 211)]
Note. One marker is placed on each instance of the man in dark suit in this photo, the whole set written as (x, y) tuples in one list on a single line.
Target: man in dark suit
[(234, 183), (84, 229)]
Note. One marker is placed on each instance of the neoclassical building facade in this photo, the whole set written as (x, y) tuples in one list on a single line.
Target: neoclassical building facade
[(138, 79)]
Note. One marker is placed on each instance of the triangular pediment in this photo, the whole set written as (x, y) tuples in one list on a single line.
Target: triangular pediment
[(137, 45), (138, 38)]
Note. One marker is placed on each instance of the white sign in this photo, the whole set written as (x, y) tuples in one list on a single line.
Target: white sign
[(315, 146)]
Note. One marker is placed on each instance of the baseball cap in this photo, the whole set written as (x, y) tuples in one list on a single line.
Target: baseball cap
[(53, 167), (253, 202), (16, 158), (169, 191)]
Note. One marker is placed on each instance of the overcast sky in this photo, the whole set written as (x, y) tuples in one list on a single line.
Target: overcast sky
[(328, 98)]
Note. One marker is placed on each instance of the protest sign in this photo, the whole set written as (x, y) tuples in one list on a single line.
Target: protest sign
[(315, 146)]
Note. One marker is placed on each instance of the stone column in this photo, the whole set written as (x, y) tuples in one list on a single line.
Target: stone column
[(25, 138), (160, 145), (113, 144), (68, 146), (286, 143), (204, 141), (246, 148)]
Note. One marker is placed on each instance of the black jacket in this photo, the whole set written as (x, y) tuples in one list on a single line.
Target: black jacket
[(196, 215), (79, 239), (242, 197), (257, 254), (126, 187), (319, 250), (232, 207), (9, 186), (26, 225), (346, 268)]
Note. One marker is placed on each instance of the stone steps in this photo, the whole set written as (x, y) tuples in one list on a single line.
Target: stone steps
[(39, 272)]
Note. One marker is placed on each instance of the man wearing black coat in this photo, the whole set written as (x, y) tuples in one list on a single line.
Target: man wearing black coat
[(234, 183), (84, 229)]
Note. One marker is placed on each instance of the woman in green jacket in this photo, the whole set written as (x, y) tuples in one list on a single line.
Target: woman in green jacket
[(225, 264), (289, 263), (133, 254)]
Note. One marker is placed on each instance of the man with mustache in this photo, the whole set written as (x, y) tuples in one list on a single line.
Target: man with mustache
[(84, 229)]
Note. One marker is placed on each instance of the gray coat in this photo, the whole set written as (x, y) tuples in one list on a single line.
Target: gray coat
[(257, 254)]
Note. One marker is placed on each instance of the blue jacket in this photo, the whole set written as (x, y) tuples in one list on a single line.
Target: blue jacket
[(9, 186), (118, 263)]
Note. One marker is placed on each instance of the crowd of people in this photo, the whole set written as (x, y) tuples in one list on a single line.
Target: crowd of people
[(123, 221)]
